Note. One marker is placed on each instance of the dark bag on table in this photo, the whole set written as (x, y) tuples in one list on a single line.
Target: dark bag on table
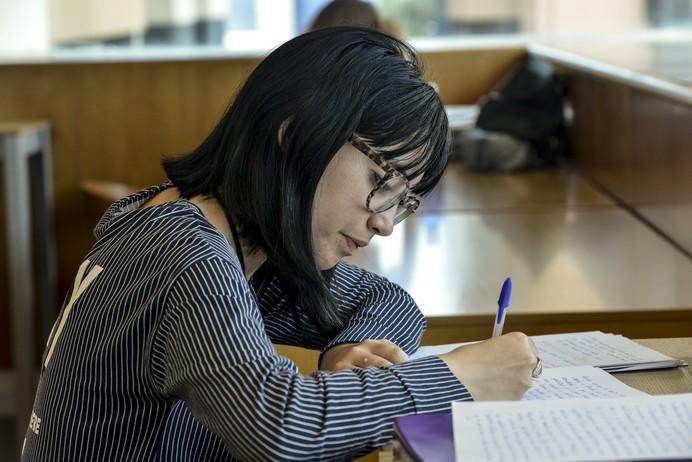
[(521, 125)]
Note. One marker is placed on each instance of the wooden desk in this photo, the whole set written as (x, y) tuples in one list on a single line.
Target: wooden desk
[(573, 269), (463, 190), (666, 381)]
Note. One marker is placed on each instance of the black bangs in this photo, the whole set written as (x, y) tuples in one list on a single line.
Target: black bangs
[(407, 125)]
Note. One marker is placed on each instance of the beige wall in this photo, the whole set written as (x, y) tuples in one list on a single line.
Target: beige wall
[(24, 26), (555, 16), (96, 19), (584, 16)]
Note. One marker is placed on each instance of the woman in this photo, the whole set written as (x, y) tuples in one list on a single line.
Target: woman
[(163, 350)]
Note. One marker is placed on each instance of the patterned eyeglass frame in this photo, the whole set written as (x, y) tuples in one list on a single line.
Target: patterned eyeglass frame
[(411, 198)]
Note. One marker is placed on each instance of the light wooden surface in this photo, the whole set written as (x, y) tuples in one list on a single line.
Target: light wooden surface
[(665, 381), (578, 262), (675, 220), (561, 261), (640, 183), (462, 190)]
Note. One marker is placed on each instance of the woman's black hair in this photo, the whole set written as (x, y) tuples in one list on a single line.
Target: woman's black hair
[(265, 157)]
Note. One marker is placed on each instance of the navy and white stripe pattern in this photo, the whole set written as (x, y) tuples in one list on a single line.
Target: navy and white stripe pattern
[(163, 351)]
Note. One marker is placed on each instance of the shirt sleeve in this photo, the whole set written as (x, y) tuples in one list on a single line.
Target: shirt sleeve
[(375, 308), (372, 307), (211, 350)]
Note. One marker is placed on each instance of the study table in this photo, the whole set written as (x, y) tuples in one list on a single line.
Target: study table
[(665, 381)]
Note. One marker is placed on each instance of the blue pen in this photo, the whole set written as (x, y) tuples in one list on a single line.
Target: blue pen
[(502, 304)]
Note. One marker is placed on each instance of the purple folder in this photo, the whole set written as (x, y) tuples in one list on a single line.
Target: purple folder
[(424, 438)]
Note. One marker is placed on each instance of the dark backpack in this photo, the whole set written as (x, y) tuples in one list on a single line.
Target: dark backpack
[(529, 106)]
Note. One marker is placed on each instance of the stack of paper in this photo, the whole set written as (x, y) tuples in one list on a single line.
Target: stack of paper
[(613, 353), (631, 428), (462, 116)]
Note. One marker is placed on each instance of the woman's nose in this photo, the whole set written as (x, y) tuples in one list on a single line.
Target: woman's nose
[(382, 223)]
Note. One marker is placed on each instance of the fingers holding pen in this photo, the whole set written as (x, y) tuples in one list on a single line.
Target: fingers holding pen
[(528, 354), (499, 368)]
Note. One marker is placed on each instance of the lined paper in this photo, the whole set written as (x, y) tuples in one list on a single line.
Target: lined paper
[(633, 428), (596, 349), (578, 382)]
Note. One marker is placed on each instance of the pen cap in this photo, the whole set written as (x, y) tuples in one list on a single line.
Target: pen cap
[(505, 293)]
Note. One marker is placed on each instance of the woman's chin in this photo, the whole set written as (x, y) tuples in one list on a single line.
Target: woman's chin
[(327, 263)]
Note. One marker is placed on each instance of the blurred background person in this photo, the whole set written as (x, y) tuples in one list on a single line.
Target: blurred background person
[(346, 13), (355, 13)]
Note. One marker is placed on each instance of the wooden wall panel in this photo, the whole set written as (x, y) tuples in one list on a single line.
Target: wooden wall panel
[(634, 143), (637, 146), (601, 132), (680, 133), (464, 76), (634, 324), (4, 296), (113, 121)]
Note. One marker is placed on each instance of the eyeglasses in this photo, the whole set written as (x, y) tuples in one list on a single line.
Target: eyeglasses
[(391, 190)]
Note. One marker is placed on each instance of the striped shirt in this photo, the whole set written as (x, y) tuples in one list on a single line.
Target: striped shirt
[(163, 351)]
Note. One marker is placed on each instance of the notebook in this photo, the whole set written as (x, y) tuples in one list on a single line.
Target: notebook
[(424, 438)]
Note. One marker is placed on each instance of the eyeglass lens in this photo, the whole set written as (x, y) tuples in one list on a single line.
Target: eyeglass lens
[(389, 194)]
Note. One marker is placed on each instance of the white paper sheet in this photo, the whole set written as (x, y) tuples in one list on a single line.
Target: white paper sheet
[(608, 351), (578, 382), (593, 349), (632, 428)]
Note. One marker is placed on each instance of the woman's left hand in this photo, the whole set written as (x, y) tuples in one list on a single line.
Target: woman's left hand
[(369, 353)]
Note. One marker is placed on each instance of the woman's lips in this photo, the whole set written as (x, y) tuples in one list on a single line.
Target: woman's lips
[(353, 244)]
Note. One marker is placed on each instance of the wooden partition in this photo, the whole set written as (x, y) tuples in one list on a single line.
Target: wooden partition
[(637, 146), (632, 131), (114, 120)]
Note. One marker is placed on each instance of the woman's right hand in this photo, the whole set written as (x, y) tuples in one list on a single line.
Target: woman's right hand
[(495, 369)]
